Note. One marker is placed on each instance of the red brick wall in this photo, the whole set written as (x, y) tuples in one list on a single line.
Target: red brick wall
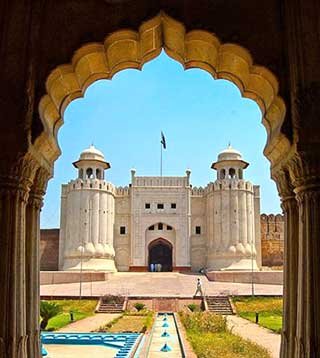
[(272, 239), (49, 249)]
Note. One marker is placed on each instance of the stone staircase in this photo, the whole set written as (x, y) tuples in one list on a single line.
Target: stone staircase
[(219, 305), (107, 306), (110, 308)]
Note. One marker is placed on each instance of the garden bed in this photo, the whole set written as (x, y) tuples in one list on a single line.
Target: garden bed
[(269, 310), (210, 338)]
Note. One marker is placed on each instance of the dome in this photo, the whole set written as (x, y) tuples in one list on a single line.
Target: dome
[(229, 154), (91, 153)]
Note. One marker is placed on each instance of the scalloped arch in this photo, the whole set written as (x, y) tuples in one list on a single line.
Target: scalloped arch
[(126, 49)]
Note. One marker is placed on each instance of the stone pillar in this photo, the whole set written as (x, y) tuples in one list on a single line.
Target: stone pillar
[(301, 27), (290, 270), (290, 208), (14, 191), (33, 263), (308, 308)]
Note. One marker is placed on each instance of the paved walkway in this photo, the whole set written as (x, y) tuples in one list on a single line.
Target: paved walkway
[(251, 331), (157, 284), (90, 324)]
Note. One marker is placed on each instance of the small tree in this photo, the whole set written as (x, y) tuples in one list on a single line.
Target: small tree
[(47, 311), (139, 306)]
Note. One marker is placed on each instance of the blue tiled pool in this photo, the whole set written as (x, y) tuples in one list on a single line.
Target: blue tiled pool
[(122, 343)]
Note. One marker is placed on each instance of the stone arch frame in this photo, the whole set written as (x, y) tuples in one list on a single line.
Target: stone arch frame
[(295, 169), (126, 49), (172, 242), (168, 243)]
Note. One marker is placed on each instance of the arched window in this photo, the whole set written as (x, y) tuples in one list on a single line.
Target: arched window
[(222, 173), (89, 173), (98, 174), (240, 174), (232, 173), (81, 173)]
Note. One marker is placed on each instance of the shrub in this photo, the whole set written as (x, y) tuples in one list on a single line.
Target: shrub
[(139, 306), (204, 322), (193, 307), (48, 310)]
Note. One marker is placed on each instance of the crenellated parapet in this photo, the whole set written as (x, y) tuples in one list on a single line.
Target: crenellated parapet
[(198, 191), (88, 184), (122, 191), (272, 227), (225, 184)]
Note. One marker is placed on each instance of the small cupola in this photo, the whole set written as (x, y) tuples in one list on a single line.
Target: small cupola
[(91, 164), (229, 164)]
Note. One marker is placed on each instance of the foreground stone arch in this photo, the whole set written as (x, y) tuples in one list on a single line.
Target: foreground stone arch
[(26, 166), (126, 49)]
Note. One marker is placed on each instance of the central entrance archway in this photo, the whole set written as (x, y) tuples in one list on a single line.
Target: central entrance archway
[(160, 255)]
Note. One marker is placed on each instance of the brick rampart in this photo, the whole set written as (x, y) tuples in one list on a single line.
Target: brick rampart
[(272, 239), (49, 249)]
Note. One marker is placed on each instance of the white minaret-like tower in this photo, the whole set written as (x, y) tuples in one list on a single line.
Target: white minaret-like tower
[(234, 243), (87, 217)]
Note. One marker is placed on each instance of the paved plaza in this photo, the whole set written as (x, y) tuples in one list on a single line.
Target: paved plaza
[(157, 284)]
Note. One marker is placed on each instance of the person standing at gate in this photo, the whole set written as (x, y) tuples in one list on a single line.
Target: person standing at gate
[(199, 288)]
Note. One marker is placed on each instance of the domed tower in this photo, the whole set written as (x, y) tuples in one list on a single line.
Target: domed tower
[(87, 217), (234, 243)]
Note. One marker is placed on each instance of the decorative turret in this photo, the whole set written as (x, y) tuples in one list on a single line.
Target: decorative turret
[(87, 216), (233, 246)]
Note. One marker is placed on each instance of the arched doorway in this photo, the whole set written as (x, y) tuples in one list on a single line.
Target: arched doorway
[(160, 255)]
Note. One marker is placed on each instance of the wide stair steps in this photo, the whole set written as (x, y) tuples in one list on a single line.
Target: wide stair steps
[(110, 308), (220, 305)]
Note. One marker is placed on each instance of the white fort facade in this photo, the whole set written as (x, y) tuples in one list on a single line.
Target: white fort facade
[(160, 220)]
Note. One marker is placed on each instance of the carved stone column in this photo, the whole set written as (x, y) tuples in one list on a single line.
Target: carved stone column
[(290, 209), (308, 303), (15, 183), (33, 262)]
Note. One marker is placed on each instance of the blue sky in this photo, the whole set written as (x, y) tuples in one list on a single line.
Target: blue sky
[(124, 117)]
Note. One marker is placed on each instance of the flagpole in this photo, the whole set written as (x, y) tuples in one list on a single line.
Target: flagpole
[(161, 159)]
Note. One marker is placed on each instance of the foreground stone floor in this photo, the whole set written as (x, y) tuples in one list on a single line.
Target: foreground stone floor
[(157, 284)]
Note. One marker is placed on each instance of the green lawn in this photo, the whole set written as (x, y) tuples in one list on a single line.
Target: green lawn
[(210, 338), (141, 321), (268, 308), (81, 309)]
